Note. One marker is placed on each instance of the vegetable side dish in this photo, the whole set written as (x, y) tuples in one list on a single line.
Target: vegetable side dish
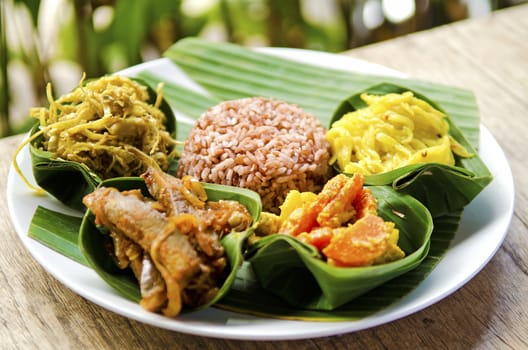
[(109, 125), (394, 130), (171, 242), (341, 222)]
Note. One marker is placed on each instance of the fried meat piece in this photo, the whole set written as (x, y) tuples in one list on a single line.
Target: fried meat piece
[(171, 194), (133, 216), (178, 233), (187, 195), (151, 285)]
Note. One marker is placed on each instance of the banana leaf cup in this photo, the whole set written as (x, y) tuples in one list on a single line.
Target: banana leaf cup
[(296, 273), (92, 240), (442, 188), (70, 181)]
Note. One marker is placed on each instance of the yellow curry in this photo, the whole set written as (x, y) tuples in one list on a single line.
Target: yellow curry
[(394, 130)]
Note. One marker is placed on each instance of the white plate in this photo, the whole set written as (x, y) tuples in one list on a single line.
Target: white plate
[(482, 231)]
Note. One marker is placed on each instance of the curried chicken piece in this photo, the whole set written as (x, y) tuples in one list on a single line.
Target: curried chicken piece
[(187, 195), (171, 194), (151, 285), (133, 216), (171, 242), (127, 253)]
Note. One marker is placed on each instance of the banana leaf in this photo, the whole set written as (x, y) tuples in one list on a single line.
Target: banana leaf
[(442, 188), (229, 71), (70, 181), (296, 273), (57, 231), (93, 239)]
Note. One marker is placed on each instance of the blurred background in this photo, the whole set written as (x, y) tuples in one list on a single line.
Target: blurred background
[(57, 40)]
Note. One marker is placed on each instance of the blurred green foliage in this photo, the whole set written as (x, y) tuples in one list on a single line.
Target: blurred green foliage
[(46, 41)]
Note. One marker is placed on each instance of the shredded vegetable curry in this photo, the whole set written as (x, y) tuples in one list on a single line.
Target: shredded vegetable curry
[(107, 124)]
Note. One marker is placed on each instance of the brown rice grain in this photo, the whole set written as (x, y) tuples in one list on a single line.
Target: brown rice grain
[(262, 144)]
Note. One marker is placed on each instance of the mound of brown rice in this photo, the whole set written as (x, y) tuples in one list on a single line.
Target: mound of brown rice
[(265, 145)]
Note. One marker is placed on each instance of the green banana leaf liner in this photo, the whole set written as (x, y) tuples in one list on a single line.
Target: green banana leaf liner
[(295, 272), (70, 181), (92, 240), (442, 188)]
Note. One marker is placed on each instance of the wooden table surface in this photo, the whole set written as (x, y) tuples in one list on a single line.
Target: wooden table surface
[(488, 56)]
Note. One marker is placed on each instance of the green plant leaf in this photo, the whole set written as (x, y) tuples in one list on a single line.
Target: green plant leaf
[(67, 181), (92, 241), (57, 231)]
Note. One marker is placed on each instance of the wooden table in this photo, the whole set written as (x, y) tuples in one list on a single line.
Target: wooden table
[(488, 56)]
